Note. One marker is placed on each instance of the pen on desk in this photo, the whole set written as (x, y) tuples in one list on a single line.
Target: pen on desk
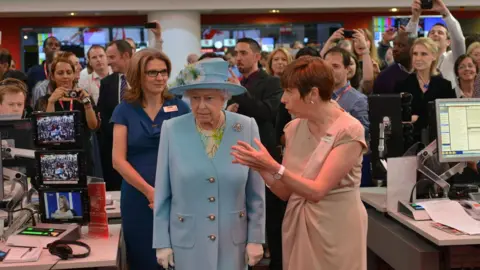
[(28, 250)]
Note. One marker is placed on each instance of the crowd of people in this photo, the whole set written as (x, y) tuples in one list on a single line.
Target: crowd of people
[(294, 121), (54, 129), (59, 167)]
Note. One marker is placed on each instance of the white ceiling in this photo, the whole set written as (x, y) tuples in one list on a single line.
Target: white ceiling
[(22, 8)]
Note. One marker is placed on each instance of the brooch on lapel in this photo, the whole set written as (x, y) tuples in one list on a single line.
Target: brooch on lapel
[(237, 127)]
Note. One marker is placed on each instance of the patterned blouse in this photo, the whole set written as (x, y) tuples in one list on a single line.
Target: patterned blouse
[(211, 139)]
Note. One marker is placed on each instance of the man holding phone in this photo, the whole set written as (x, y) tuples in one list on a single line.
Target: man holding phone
[(449, 35)]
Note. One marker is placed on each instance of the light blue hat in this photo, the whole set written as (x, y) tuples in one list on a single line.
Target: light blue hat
[(211, 73)]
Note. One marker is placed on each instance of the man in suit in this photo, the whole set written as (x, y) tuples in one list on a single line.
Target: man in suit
[(119, 53), (261, 102)]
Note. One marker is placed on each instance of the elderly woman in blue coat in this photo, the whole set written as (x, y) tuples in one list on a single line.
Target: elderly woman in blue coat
[(209, 214)]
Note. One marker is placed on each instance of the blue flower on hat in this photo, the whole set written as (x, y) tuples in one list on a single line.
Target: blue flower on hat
[(189, 75), (205, 74)]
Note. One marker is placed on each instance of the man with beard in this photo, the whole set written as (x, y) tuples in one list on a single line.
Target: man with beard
[(386, 80)]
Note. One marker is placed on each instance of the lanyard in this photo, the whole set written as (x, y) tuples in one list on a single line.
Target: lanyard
[(45, 69), (344, 90), (71, 104)]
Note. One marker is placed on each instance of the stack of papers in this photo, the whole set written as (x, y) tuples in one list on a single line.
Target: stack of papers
[(20, 255), (452, 214)]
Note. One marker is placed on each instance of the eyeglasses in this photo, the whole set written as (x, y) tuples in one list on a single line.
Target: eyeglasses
[(154, 73)]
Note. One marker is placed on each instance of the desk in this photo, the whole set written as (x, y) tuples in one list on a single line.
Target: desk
[(375, 197), (104, 254), (115, 212), (407, 244), (438, 237)]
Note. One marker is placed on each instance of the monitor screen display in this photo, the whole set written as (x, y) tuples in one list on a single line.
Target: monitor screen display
[(68, 35), (95, 36), (53, 129), (63, 206), (59, 168), (458, 129)]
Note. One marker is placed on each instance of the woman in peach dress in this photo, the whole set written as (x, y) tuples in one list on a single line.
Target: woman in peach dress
[(325, 225)]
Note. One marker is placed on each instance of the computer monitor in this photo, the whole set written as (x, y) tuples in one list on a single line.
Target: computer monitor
[(61, 168), (385, 109), (58, 130), (458, 129), (64, 206), (15, 134)]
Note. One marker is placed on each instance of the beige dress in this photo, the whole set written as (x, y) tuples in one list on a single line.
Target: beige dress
[(330, 234)]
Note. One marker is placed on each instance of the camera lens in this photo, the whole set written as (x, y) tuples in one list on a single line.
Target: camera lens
[(73, 94)]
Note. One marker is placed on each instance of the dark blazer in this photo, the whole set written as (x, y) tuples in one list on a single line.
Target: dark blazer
[(437, 88), (107, 101), (261, 102)]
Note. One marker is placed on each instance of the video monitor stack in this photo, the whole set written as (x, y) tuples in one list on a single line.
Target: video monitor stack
[(61, 173)]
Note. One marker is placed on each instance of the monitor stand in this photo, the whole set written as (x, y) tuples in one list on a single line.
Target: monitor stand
[(409, 208)]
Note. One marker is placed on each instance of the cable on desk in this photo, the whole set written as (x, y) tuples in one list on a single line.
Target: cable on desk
[(415, 186), (32, 214), (54, 264)]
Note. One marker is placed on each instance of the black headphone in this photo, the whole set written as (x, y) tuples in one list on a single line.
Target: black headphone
[(62, 249)]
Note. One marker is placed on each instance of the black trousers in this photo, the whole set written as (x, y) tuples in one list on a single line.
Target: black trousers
[(274, 218)]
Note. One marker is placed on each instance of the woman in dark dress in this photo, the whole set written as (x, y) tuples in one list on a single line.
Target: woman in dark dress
[(425, 84), (136, 135)]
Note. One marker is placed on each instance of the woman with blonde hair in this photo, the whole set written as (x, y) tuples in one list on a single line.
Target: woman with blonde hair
[(137, 123), (474, 51), (277, 61), (424, 84)]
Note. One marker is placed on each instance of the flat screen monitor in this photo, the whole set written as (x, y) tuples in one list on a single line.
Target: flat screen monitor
[(64, 206), (58, 130), (458, 129), (95, 36), (60, 168), (15, 134)]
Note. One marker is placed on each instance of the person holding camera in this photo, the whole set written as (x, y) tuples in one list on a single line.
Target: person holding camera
[(448, 35), (66, 97)]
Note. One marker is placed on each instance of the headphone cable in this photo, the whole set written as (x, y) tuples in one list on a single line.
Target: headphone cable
[(55, 264)]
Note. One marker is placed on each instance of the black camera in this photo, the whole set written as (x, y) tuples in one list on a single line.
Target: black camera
[(427, 4), (71, 94)]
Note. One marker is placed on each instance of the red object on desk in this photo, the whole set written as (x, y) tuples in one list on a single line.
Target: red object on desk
[(98, 225)]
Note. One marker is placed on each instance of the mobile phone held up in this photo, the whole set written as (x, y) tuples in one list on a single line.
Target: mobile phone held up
[(427, 4), (150, 25)]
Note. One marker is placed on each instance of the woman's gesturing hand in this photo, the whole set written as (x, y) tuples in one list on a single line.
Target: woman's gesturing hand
[(259, 160)]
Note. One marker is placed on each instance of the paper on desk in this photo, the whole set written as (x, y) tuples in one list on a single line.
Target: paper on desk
[(18, 255), (452, 214)]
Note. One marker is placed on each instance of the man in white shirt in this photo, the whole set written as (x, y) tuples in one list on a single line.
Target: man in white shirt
[(97, 59), (445, 36)]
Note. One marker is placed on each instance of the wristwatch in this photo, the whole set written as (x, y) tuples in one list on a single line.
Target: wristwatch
[(86, 101), (278, 175)]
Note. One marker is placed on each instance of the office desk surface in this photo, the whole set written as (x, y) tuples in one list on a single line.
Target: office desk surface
[(113, 211), (438, 237), (375, 197), (104, 253)]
